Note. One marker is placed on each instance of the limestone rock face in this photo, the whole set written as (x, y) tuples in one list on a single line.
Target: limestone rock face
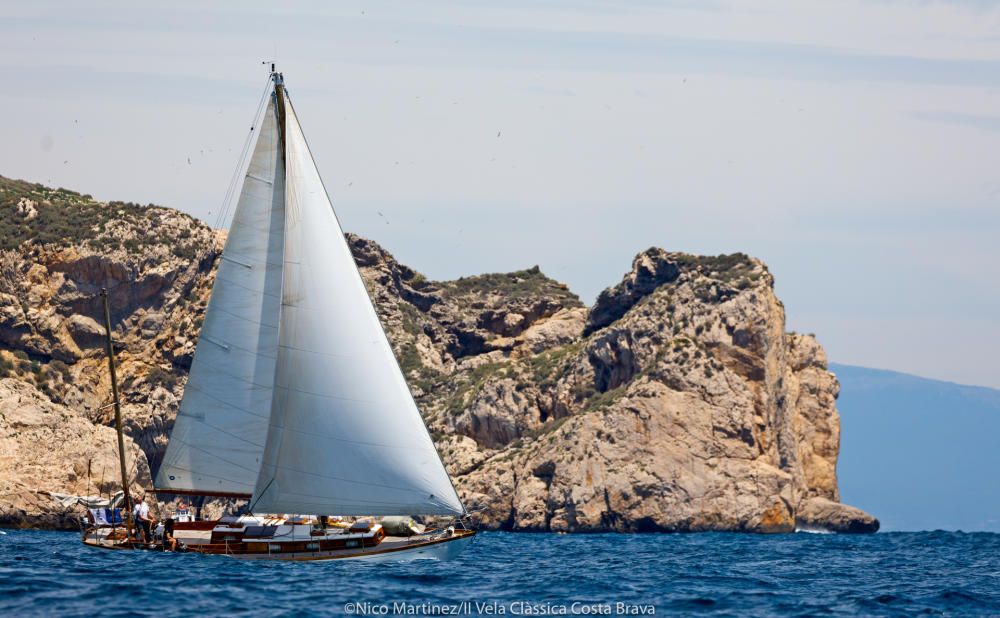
[(650, 270), (686, 407), (157, 266), (676, 402), (49, 447), (823, 514)]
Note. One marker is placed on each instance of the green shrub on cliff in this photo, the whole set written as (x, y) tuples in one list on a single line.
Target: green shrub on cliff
[(547, 367), (467, 385), (528, 283), (33, 213), (735, 269)]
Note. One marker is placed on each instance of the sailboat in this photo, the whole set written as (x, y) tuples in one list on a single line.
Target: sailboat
[(295, 401)]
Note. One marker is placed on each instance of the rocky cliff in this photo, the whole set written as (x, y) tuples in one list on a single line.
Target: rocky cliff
[(677, 402)]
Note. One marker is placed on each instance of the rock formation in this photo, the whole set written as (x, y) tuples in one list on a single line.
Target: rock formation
[(49, 447), (676, 403)]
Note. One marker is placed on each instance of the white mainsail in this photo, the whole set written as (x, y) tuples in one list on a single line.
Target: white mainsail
[(345, 435), (221, 428)]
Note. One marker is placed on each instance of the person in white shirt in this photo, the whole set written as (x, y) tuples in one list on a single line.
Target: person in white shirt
[(140, 514)]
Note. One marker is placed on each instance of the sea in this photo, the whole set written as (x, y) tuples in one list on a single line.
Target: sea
[(520, 574)]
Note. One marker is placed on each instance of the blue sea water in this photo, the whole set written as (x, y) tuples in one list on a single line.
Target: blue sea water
[(948, 573)]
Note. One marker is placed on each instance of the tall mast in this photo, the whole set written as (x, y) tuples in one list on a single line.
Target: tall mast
[(279, 105), (118, 413)]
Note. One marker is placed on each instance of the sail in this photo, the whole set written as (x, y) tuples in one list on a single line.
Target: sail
[(221, 428), (346, 437)]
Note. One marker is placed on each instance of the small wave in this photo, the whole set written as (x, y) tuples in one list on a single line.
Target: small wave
[(419, 578), (959, 597)]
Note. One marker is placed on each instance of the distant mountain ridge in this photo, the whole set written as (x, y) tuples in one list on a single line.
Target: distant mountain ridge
[(924, 454)]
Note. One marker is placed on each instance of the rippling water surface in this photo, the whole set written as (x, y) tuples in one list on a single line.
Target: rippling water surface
[(51, 573)]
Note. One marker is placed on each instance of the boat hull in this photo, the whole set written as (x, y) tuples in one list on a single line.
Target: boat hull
[(387, 551), (391, 549)]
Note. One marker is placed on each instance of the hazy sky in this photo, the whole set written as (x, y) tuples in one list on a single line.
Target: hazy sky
[(854, 146)]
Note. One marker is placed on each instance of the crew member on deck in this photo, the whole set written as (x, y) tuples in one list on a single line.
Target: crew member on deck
[(142, 518), (169, 542)]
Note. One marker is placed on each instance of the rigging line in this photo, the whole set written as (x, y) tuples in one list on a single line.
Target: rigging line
[(227, 200), (234, 182), (260, 495)]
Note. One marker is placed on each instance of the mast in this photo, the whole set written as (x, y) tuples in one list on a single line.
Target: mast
[(118, 415), (279, 96)]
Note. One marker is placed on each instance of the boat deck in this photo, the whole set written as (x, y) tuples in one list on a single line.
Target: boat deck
[(435, 544)]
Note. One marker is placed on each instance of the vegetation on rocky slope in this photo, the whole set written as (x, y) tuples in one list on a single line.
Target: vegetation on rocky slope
[(35, 214), (520, 284)]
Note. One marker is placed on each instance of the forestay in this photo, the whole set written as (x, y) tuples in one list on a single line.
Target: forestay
[(345, 436), (221, 428)]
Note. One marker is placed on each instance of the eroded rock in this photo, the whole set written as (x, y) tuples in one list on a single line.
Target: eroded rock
[(48, 447), (827, 515)]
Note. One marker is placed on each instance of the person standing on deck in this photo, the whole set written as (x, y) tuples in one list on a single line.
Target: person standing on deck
[(142, 518)]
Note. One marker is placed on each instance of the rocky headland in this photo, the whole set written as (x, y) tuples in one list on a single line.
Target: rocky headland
[(677, 402)]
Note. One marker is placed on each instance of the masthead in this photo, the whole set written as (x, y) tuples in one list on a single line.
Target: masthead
[(278, 78)]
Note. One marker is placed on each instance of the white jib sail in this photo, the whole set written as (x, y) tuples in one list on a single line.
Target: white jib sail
[(219, 434), (346, 437)]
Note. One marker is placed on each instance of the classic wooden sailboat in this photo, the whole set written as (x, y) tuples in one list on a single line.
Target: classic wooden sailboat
[(295, 401)]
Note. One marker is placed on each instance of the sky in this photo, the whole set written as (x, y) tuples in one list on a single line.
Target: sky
[(852, 146)]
